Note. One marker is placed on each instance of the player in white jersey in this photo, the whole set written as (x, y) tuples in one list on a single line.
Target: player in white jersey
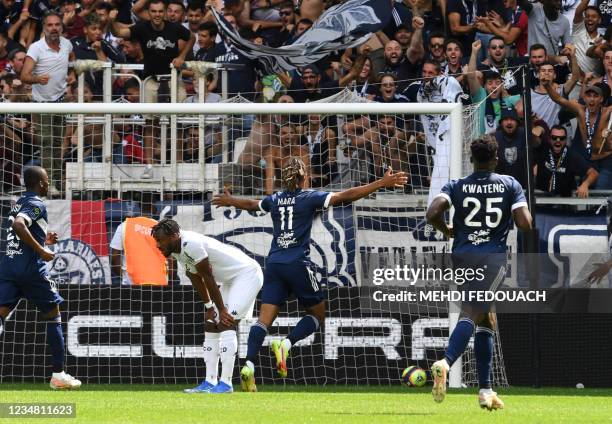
[(208, 262)]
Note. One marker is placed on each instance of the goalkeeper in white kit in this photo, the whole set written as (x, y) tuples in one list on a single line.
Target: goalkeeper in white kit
[(207, 262)]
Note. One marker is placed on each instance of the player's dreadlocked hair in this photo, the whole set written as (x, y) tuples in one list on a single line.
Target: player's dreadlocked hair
[(293, 174), (484, 149), (166, 226)]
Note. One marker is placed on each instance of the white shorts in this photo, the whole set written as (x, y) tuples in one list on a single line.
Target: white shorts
[(239, 295)]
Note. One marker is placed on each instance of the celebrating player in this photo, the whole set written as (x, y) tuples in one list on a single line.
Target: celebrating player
[(288, 268), (208, 261), (23, 272), (485, 204)]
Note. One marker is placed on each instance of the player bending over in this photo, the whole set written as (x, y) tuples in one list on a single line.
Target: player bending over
[(288, 267), (208, 261), (23, 272), (485, 204)]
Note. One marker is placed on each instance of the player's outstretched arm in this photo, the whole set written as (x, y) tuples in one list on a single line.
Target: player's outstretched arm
[(21, 230), (390, 180), (435, 215), (226, 199), (522, 218)]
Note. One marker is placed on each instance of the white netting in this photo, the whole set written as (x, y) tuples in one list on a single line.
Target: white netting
[(105, 169)]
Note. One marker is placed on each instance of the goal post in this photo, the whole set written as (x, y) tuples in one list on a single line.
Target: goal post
[(155, 333)]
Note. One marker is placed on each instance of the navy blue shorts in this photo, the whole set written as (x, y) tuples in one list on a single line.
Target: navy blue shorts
[(281, 280), (38, 289)]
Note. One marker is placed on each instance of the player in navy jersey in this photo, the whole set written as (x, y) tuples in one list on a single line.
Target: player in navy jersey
[(485, 204), (288, 268), (23, 273)]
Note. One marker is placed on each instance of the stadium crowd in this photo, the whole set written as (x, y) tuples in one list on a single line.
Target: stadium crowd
[(431, 50)]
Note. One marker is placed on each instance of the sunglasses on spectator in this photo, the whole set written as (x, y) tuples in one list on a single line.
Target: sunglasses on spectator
[(558, 137), (436, 46), (498, 47)]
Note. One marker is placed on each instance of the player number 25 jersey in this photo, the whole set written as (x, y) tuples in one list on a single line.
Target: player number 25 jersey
[(483, 203)]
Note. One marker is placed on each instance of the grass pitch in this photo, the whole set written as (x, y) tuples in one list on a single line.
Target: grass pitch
[(298, 404)]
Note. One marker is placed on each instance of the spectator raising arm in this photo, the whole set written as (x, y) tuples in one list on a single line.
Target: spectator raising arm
[(471, 74), (570, 52), (117, 28), (570, 105), (416, 50)]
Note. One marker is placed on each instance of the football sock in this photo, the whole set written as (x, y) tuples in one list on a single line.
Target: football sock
[(55, 339), (256, 338), (304, 328), (459, 340), (228, 346), (211, 356), (483, 350)]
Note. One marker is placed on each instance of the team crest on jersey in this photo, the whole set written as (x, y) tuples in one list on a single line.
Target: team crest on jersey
[(479, 237), (75, 263)]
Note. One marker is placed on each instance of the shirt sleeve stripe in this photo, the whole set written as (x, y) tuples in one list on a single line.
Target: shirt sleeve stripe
[(327, 200), (261, 207), (27, 218), (519, 205)]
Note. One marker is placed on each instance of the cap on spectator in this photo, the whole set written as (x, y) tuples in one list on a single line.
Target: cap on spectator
[(403, 27), (595, 89), (312, 68), (508, 113)]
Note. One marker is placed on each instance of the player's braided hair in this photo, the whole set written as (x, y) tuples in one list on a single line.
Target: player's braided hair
[(166, 226), (293, 174), (484, 149)]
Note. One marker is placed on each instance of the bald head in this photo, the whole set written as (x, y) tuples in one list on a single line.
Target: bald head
[(36, 180), (393, 52)]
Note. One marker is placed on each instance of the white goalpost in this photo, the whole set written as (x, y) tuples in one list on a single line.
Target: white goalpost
[(118, 160)]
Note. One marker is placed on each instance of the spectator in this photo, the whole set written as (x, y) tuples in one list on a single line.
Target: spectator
[(15, 17), (365, 83), (93, 47), (436, 51), (3, 50), (547, 26), (388, 146), (278, 154), (321, 142), (401, 15), (102, 10), (584, 33), (175, 12), (311, 9), (388, 90), (512, 146), (467, 20), (454, 60), (504, 66), (46, 68), (213, 144), (159, 40), (406, 66), (538, 56), (589, 113), (492, 97), (73, 22), (607, 75), (403, 35), (195, 18), (262, 17), (207, 34), (16, 57), (287, 30), (514, 33), (309, 87), (557, 167), (601, 44), (541, 102)]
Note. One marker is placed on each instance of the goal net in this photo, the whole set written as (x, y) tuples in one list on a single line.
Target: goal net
[(108, 162)]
